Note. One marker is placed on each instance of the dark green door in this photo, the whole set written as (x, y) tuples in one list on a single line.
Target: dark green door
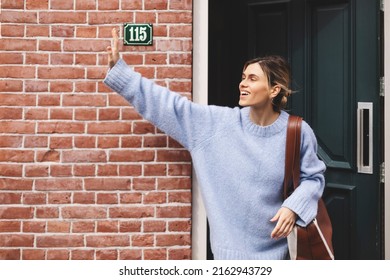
[(333, 49)]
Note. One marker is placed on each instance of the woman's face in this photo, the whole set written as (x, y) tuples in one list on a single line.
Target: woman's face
[(254, 88)]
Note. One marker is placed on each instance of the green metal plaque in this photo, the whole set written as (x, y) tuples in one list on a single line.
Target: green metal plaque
[(135, 34)]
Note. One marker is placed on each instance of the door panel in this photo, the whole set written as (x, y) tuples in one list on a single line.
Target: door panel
[(333, 50)]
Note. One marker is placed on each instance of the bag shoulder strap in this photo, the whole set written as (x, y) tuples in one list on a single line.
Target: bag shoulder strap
[(293, 150)]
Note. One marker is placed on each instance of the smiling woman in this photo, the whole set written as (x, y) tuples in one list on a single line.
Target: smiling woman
[(256, 225)]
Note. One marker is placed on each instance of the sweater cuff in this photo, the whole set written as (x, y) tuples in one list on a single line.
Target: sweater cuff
[(305, 213), (118, 76)]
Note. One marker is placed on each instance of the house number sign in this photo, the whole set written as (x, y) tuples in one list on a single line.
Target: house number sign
[(137, 34)]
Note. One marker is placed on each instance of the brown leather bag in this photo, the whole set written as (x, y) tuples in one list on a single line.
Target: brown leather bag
[(313, 242)]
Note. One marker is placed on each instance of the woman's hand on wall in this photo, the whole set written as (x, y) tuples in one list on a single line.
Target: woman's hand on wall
[(113, 51)]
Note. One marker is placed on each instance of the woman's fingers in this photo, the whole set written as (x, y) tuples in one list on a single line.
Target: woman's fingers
[(113, 50)]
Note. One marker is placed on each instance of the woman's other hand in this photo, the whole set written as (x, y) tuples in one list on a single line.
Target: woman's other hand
[(285, 219), (113, 51)]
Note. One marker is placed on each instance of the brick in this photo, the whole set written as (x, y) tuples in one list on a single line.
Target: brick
[(155, 170), (37, 31), (155, 254), (36, 114), (78, 212), (36, 86), (60, 127), (58, 184), (105, 142), (155, 198), (155, 141), (154, 226), (109, 114), (61, 142), (61, 171), (17, 156), (9, 254), (12, 30), (49, 45), (61, 5), (131, 142), (61, 59), (33, 226), (11, 141), (131, 197), (58, 226), (86, 86), (59, 241), (84, 100), (130, 170), (49, 100), (131, 156), (107, 226), (17, 44), (10, 85), (184, 31), (59, 198), (143, 128), (110, 254), (12, 4), (11, 113), (184, 226), (62, 31), (145, 17), (48, 156), (33, 254), (20, 100), (144, 184), (85, 59), (96, 73), (179, 254), (84, 170), (107, 184), (107, 198), (58, 255), (174, 212), (82, 254), (15, 184), (19, 17), (173, 156), (131, 4), (35, 141), (84, 198), (130, 254), (61, 73), (108, 241), (47, 212), (180, 197), (61, 114), (7, 170), (62, 17), (17, 71), (129, 226), (173, 183), (10, 226), (173, 240), (109, 128), (109, 17), (108, 5), (37, 4), (175, 17), (85, 141), (180, 58), (10, 198), (156, 5), (131, 212), (34, 198), (86, 4), (61, 86), (83, 227), (144, 240), (82, 45), (16, 240)]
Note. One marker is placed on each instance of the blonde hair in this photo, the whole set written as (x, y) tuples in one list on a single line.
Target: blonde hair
[(278, 72)]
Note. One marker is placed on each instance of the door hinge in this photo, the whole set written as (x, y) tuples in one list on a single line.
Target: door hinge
[(382, 86), (382, 172)]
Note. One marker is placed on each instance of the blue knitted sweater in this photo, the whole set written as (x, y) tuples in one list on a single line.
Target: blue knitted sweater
[(240, 165)]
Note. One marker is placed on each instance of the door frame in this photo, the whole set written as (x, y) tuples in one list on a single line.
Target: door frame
[(200, 95)]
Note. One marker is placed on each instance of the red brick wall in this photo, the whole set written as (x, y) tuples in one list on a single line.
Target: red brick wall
[(83, 176)]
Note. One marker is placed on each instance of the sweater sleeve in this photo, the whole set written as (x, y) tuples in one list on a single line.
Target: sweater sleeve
[(304, 200), (187, 122)]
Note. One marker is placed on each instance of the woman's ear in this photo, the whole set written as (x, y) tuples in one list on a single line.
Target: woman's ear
[(275, 90)]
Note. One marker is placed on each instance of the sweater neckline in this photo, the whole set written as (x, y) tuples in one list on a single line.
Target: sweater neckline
[(264, 131)]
